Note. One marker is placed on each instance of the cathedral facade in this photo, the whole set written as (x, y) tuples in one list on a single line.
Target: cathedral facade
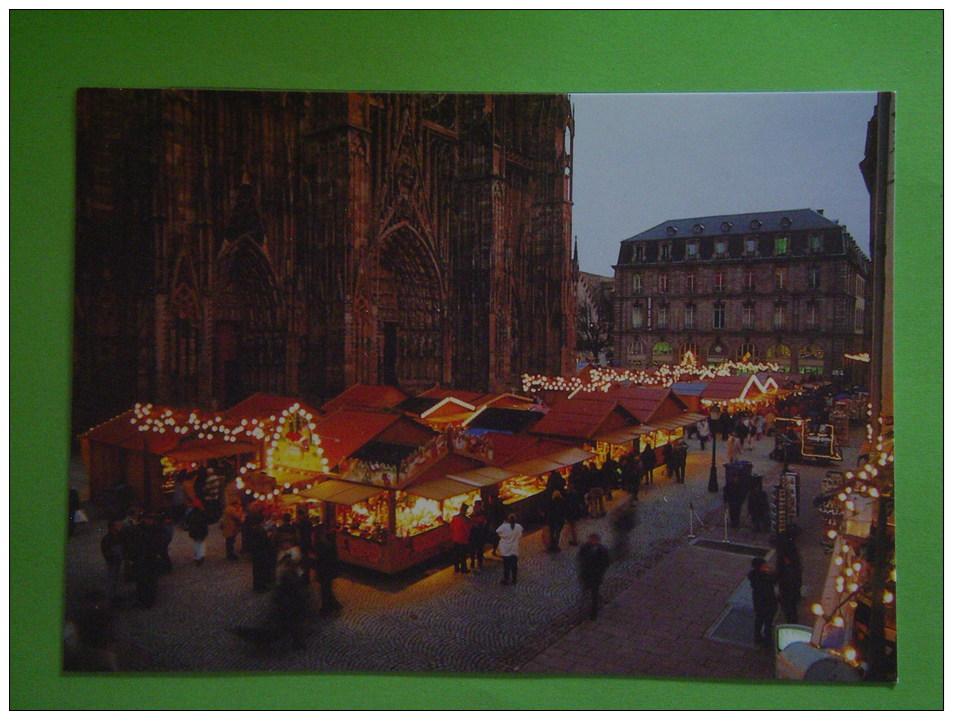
[(297, 243)]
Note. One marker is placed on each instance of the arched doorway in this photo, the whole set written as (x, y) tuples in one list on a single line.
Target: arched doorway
[(401, 313), (249, 335)]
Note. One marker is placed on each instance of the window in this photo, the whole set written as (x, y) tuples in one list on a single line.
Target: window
[(751, 245), (726, 226), (721, 248), (639, 348), (638, 253), (690, 282), (661, 316), (779, 278), (814, 278), (812, 315), (810, 352), (661, 348), (698, 228), (779, 316), (747, 352), (747, 316), (778, 350), (747, 280), (719, 315), (719, 284), (638, 317), (687, 348), (636, 283), (816, 244), (663, 283), (781, 245), (666, 252), (671, 230), (691, 250), (690, 315)]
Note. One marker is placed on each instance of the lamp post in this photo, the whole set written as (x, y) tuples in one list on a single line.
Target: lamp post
[(713, 420)]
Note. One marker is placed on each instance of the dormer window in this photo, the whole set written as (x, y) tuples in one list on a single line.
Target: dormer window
[(638, 254), (698, 228), (785, 222), (816, 243), (755, 224), (781, 245), (726, 226), (721, 248), (671, 230), (751, 245), (691, 250)]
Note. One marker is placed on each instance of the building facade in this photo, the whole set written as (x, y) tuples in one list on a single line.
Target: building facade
[(787, 287), (595, 341), (297, 243)]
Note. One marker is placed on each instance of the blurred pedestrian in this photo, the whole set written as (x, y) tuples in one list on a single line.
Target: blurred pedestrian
[(703, 432), (327, 568), (759, 509), (574, 508), (231, 524), (479, 534), (555, 520), (593, 563), (680, 460), (649, 462), (259, 545), (762, 580), (111, 547), (196, 523), (460, 537)]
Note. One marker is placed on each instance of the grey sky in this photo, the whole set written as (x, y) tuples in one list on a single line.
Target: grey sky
[(641, 159)]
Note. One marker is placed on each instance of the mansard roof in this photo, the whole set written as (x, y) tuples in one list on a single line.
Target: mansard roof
[(738, 224)]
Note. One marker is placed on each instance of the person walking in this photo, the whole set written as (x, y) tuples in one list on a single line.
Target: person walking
[(649, 462), (631, 476), (258, 544), (704, 431), (762, 580), (680, 459), (593, 563), (734, 496), (555, 520), (232, 519), (573, 510), (734, 447), (327, 568), (111, 547), (196, 523), (790, 578), (460, 535), (668, 460), (759, 509), (479, 534), (510, 534)]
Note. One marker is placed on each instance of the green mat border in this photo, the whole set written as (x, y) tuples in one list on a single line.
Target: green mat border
[(54, 53)]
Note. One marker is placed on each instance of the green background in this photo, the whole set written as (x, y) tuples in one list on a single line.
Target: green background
[(54, 53)]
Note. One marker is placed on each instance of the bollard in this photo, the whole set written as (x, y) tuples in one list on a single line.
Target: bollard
[(726, 526), (691, 520)]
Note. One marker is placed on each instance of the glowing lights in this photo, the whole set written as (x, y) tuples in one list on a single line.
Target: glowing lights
[(888, 597), (837, 621), (817, 609), (850, 654)]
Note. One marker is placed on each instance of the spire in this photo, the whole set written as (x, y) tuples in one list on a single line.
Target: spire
[(575, 259)]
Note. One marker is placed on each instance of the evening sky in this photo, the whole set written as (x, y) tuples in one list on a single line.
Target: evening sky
[(642, 159)]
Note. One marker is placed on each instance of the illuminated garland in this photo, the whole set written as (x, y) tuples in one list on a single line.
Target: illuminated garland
[(148, 418), (874, 480), (601, 379)]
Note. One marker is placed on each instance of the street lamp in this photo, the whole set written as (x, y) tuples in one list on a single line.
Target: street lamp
[(713, 420)]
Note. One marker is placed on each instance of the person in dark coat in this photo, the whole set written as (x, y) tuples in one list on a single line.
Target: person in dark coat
[(574, 508), (111, 547), (758, 508), (555, 482), (679, 460), (259, 546), (668, 460), (765, 601), (327, 568), (734, 497), (631, 476), (790, 579), (290, 597), (196, 523), (479, 535), (495, 515), (555, 520), (579, 479), (148, 560), (649, 462), (593, 563), (305, 530)]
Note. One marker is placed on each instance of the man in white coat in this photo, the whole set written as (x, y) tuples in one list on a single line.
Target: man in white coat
[(510, 534)]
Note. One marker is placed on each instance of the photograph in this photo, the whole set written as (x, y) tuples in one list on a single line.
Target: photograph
[(475, 359), (438, 382)]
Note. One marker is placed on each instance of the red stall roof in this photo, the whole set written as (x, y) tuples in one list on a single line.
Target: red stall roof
[(443, 393), (644, 403), (345, 431), (580, 418), (731, 387), (262, 406), (367, 396), (121, 432)]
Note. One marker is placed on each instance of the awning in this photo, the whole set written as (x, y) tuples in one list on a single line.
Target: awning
[(551, 462), (670, 423), (198, 451), (484, 476), (440, 489), (340, 492)]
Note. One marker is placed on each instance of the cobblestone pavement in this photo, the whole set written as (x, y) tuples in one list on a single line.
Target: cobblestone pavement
[(661, 592)]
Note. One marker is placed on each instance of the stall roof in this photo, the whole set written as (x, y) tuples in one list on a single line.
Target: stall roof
[(345, 431), (443, 393), (644, 403), (502, 419), (199, 451), (580, 418), (262, 406), (384, 452), (550, 462), (484, 476), (627, 434), (732, 387), (340, 492), (120, 432), (510, 447), (450, 408), (694, 388), (508, 400), (367, 396), (418, 405)]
